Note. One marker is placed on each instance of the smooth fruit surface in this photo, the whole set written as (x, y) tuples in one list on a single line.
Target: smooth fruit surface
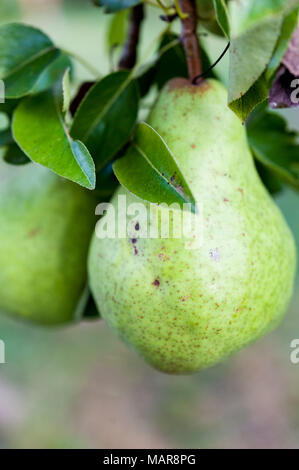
[(186, 309), (45, 228)]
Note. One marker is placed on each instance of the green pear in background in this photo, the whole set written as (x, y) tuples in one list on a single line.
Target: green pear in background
[(45, 229), (186, 309)]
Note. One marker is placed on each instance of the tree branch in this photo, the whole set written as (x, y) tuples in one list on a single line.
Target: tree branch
[(128, 58), (189, 39), (129, 55)]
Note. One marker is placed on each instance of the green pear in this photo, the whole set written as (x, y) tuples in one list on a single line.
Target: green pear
[(46, 224), (186, 309)]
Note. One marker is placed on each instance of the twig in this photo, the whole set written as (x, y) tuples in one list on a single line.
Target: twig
[(189, 39), (129, 55), (128, 58)]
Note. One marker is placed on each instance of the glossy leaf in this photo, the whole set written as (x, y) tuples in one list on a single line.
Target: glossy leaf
[(150, 170), (106, 117), (25, 53), (39, 130), (222, 16), (274, 146)]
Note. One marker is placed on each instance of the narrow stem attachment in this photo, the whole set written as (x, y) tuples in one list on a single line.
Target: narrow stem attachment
[(189, 39), (129, 55)]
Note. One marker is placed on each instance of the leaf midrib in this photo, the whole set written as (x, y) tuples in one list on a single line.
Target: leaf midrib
[(106, 108)]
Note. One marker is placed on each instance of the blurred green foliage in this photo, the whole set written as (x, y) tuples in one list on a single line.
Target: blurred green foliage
[(81, 387)]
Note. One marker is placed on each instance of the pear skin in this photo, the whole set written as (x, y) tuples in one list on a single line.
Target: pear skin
[(45, 228), (186, 309)]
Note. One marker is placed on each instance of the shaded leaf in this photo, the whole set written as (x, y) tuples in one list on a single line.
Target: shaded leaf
[(52, 74), (117, 29), (248, 14), (171, 61), (66, 84), (106, 117), (288, 27), (249, 55), (86, 308), (39, 130), (150, 171), (222, 16), (25, 53), (106, 182), (275, 146), (269, 178), (5, 137), (15, 156), (8, 107), (116, 5)]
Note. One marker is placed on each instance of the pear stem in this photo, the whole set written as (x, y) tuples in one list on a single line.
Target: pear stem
[(129, 54), (189, 39)]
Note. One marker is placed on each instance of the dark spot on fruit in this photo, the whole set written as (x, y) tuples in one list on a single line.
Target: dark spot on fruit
[(137, 226), (156, 283), (133, 240), (33, 232)]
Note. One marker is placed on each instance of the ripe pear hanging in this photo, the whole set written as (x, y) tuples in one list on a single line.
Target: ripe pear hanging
[(185, 310), (45, 228)]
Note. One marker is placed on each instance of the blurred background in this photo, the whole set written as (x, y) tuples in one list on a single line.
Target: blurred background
[(80, 387)]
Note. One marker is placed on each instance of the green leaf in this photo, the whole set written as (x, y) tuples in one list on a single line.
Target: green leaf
[(66, 85), (269, 178), (25, 52), (5, 137), (106, 182), (288, 27), (248, 14), (8, 107), (250, 54), (15, 156), (275, 146), (52, 74), (222, 16), (117, 29), (150, 170), (86, 308), (171, 60), (39, 130), (116, 5), (106, 117)]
